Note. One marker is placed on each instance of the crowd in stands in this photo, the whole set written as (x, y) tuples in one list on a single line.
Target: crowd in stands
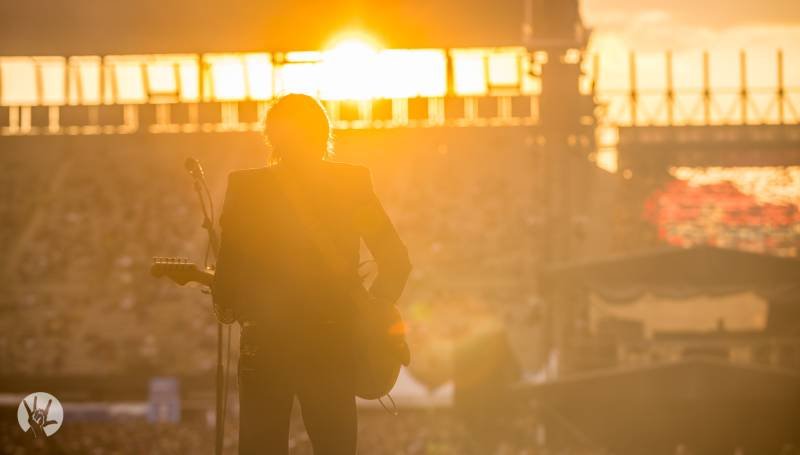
[(84, 219), (79, 298), (81, 221), (413, 432)]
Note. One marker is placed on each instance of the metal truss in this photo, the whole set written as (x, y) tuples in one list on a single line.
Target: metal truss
[(211, 117), (701, 106)]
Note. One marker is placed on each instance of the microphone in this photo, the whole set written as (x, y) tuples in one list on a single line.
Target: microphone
[(194, 168)]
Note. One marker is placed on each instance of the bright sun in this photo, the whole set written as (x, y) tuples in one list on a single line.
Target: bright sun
[(349, 65), (351, 49), (352, 43)]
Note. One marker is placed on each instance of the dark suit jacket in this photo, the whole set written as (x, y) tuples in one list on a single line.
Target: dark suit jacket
[(290, 244)]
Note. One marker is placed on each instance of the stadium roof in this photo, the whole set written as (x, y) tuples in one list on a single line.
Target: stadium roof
[(80, 27)]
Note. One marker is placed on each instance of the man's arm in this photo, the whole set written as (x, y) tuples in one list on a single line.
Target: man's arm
[(389, 252), (226, 288)]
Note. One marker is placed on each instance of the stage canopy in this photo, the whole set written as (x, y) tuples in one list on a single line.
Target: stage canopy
[(651, 409), (676, 273)]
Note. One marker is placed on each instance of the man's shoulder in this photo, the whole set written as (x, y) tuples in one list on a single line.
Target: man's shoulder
[(348, 171), (242, 176), (341, 172)]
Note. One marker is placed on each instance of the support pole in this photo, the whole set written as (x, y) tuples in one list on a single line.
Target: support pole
[(201, 78), (145, 81), (101, 82), (39, 77), (634, 95), (219, 421), (743, 98), (67, 88), (781, 93), (670, 90), (706, 90)]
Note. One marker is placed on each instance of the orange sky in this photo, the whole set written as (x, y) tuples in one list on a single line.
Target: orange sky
[(679, 24), (78, 27), (651, 27)]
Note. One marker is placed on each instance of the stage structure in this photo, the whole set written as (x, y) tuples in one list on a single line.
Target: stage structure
[(470, 87), (623, 344), (362, 88)]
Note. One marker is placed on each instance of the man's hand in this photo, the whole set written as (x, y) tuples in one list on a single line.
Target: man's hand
[(37, 418)]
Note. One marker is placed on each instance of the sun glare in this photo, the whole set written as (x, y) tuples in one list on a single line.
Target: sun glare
[(352, 45), (349, 66)]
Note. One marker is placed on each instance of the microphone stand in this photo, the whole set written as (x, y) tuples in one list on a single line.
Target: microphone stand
[(213, 243)]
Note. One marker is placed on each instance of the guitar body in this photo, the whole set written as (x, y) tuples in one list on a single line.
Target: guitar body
[(381, 350)]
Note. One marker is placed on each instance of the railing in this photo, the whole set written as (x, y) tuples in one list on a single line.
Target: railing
[(781, 352), (703, 104), (488, 111)]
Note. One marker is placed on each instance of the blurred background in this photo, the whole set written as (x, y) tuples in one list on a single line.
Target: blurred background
[(600, 199)]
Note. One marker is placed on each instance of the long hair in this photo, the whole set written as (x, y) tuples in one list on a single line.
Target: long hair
[(297, 128)]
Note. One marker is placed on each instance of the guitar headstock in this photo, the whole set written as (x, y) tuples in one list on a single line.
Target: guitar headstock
[(179, 270)]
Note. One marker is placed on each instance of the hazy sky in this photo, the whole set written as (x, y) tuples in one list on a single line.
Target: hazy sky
[(118, 26), (650, 24), (689, 26), (81, 27), (706, 13)]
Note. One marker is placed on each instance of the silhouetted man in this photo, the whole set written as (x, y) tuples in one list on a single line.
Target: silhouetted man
[(288, 270)]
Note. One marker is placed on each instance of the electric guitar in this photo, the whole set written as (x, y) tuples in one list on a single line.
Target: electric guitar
[(181, 271), (380, 330)]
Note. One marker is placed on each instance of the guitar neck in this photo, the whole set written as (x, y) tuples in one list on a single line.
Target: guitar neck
[(181, 271), (206, 278)]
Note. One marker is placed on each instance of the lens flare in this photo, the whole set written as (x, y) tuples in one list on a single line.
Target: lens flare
[(349, 65)]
